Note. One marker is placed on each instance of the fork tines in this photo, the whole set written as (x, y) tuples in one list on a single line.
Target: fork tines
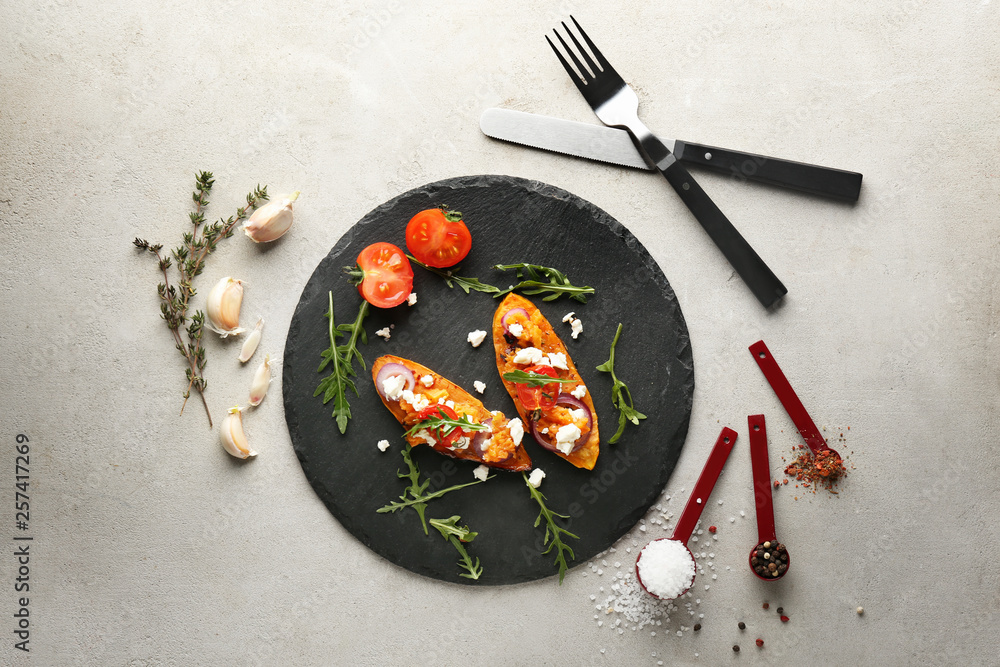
[(583, 77)]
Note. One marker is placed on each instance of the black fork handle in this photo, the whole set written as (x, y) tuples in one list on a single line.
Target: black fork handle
[(811, 178), (752, 269)]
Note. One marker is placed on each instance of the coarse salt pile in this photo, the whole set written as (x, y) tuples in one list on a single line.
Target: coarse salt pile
[(665, 568)]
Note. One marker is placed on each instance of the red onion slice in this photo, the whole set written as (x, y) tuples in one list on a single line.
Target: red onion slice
[(510, 314), (390, 370), (479, 443), (565, 400)]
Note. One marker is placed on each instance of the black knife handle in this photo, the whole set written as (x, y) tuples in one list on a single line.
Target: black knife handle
[(752, 269), (811, 178)]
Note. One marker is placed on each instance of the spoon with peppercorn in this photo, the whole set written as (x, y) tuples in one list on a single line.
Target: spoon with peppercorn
[(769, 559), (666, 567)]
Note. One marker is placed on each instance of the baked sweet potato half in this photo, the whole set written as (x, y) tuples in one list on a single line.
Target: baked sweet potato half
[(431, 407), (559, 414)]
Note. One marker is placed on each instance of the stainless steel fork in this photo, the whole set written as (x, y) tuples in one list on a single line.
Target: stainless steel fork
[(616, 105)]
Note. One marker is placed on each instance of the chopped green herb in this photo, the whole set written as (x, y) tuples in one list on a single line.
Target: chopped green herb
[(443, 425), (621, 397), (532, 277), (553, 531), (452, 532), (451, 278), (532, 379), (335, 386)]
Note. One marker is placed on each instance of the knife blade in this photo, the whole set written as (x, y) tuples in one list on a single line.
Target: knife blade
[(612, 145)]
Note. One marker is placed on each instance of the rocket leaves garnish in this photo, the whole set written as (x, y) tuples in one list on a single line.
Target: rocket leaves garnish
[(452, 532), (553, 531), (532, 379), (443, 425), (335, 386), (415, 495), (536, 279), (451, 278), (621, 397)]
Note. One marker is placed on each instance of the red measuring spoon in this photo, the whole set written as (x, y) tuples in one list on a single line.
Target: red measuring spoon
[(793, 406), (697, 501), (762, 490)]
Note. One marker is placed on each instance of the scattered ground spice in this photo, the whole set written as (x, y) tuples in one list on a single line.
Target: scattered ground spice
[(825, 469)]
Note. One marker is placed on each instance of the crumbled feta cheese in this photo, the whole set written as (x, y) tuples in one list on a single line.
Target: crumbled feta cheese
[(516, 430), (527, 355), (545, 430), (477, 337), (392, 387), (418, 401), (383, 445), (579, 413), (566, 436), (450, 403), (480, 473), (516, 329), (424, 434), (569, 316), (577, 328), (411, 299), (579, 392), (536, 477), (558, 360), (480, 386), (427, 381), (384, 333)]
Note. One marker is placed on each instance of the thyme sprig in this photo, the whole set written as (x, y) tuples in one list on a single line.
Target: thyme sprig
[(452, 532), (621, 397), (189, 261), (415, 495), (537, 279), (532, 379), (553, 531), (442, 425), (451, 278), (336, 385)]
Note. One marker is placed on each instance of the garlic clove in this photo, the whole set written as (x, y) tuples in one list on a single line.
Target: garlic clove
[(261, 381), (270, 221), (223, 308), (234, 440), (250, 344)]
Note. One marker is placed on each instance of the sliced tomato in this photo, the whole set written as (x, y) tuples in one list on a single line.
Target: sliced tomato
[(385, 274), (543, 397), (435, 411), (438, 237)]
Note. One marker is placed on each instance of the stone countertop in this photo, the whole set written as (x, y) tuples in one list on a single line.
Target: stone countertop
[(152, 546)]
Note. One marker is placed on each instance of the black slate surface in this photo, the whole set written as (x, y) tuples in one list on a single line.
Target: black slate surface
[(511, 220)]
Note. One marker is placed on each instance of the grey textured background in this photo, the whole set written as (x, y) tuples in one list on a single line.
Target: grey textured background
[(154, 547)]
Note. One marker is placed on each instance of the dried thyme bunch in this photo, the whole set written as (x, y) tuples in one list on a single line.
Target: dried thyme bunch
[(190, 258)]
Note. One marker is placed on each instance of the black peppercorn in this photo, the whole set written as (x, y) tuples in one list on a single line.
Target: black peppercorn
[(780, 610), (736, 648), (697, 627), (741, 625)]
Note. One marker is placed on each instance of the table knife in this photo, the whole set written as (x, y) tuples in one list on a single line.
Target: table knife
[(609, 144)]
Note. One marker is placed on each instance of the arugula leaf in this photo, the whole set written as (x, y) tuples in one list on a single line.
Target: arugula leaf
[(417, 490), (452, 532), (552, 530), (621, 397), (444, 425), (532, 379), (451, 278), (532, 277), (335, 386)]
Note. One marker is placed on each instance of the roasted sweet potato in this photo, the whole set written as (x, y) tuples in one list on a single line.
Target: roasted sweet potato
[(560, 416), (414, 402)]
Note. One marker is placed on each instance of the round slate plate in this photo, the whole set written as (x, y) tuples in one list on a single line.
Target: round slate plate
[(511, 220)]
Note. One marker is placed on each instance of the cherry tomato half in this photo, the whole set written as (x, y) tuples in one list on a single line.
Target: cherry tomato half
[(438, 237), (435, 411), (386, 275), (543, 397)]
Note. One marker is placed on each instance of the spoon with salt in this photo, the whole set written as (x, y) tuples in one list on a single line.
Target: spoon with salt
[(666, 567), (769, 559)]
